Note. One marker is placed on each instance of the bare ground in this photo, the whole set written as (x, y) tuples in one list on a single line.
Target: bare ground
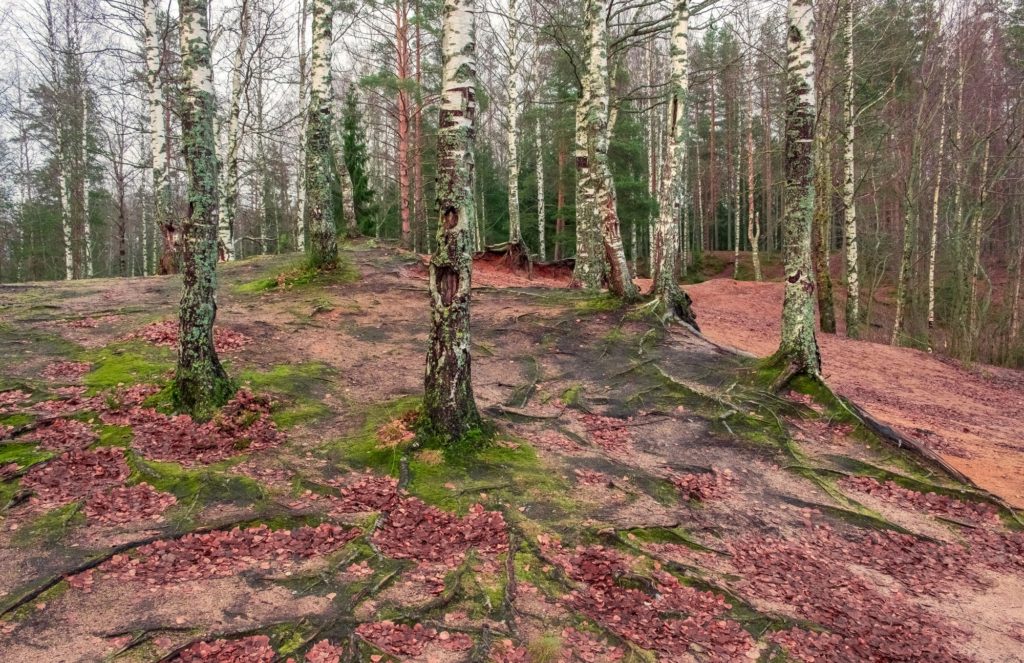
[(647, 499)]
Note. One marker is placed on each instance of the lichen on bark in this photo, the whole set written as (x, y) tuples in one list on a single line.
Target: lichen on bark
[(798, 350), (319, 208), (200, 382)]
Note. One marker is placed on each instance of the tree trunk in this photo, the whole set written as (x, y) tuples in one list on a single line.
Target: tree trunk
[(515, 234), (849, 190), (823, 215), (560, 203), (588, 271), (226, 232), (541, 241), (162, 218), (620, 281), (933, 242), (300, 181), (323, 245), (200, 383), (753, 221), (404, 138), (448, 391), (798, 350), (673, 302)]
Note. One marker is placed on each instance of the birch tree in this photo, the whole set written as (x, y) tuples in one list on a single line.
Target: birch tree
[(226, 232), (849, 188), (672, 302), (323, 244), (200, 382), (448, 401), (798, 350), (601, 186), (539, 146)]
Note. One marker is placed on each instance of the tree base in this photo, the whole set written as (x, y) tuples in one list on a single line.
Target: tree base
[(201, 391)]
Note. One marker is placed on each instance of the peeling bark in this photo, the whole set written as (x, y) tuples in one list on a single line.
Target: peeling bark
[(448, 401), (674, 303), (598, 125)]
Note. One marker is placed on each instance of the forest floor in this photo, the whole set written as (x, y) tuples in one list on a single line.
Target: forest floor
[(645, 498)]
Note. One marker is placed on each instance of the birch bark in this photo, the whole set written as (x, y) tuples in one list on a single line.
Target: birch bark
[(226, 231), (541, 221), (323, 245), (798, 350), (448, 401), (849, 190), (200, 382), (672, 302)]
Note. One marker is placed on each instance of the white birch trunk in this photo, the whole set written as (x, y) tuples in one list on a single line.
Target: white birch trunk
[(84, 156), (798, 350), (601, 186), (515, 233), (157, 134), (849, 189), (323, 242), (226, 231), (300, 181), (672, 302), (448, 391), (541, 241), (933, 240)]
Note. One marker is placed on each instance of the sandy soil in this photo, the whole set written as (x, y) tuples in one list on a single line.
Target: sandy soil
[(970, 416)]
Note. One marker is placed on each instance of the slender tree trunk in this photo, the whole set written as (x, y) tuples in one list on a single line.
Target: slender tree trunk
[(933, 242), (323, 247), (541, 220), (515, 233), (1015, 289), (910, 222), (226, 232), (87, 248), (673, 302), (402, 70), (798, 350), (448, 391), (417, 172), (348, 203), (822, 233), (200, 383), (753, 222), (849, 189), (300, 181), (598, 124), (560, 204)]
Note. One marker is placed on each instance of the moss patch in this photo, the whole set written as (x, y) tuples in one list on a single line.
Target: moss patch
[(128, 363), (300, 275)]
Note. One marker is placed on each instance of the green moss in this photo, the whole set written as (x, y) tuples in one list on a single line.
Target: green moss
[(128, 363), (572, 396), (52, 525), (300, 388), (25, 454), (15, 420), (300, 275), (115, 436), (197, 487)]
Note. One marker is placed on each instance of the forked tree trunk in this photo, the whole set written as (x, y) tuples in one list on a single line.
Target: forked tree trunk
[(849, 189), (200, 383), (620, 281), (323, 245), (673, 302), (448, 391), (798, 351), (226, 231)]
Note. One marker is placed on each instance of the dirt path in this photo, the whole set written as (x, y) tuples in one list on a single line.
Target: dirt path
[(971, 417)]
